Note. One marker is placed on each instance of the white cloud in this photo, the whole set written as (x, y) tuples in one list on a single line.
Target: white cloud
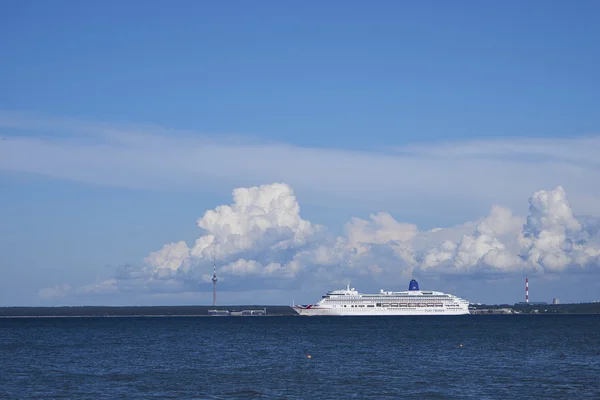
[(171, 257), (261, 239), (426, 180), (252, 267), (262, 236), (553, 238), (439, 255), (268, 215), (382, 229), (262, 222), (484, 248)]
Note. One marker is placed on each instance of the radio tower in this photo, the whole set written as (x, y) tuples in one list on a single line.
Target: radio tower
[(526, 290), (214, 281)]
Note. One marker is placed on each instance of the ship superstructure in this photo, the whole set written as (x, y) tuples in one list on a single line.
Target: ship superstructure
[(411, 302)]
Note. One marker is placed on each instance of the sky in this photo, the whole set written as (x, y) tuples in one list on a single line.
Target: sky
[(298, 146)]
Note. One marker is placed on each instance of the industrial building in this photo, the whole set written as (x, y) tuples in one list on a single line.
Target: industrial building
[(219, 313), (243, 313), (250, 312)]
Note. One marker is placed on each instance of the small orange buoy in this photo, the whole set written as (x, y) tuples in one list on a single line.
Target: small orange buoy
[(309, 356)]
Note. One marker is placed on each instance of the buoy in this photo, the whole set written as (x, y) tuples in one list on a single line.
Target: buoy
[(460, 345), (309, 356)]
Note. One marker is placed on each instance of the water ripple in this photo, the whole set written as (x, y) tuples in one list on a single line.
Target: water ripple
[(501, 357)]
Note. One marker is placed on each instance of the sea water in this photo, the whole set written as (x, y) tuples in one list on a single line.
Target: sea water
[(460, 357)]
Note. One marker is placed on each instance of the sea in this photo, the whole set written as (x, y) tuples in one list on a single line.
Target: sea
[(446, 357)]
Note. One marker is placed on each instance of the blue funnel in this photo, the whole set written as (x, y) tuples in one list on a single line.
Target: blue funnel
[(414, 285)]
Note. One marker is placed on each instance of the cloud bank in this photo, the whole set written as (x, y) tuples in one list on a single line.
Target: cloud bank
[(261, 238)]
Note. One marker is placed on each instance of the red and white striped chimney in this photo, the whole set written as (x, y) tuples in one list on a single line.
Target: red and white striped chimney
[(526, 290)]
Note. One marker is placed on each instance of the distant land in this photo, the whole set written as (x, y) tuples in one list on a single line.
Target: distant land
[(123, 311), (521, 308), (182, 311)]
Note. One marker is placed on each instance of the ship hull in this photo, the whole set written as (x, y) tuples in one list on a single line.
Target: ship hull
[(313, 311)]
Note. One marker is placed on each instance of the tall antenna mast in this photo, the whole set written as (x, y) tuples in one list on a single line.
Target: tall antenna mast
[(214, 281), (526, 290)]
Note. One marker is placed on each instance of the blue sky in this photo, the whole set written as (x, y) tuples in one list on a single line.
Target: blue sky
[(125, 122)]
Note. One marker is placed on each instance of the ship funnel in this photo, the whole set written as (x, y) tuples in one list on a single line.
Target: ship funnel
[(414, 285)]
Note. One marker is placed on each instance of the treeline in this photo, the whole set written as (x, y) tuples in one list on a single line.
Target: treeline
[(104, 311), (571, 308)]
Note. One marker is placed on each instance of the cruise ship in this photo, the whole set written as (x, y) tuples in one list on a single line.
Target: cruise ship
[(411, 302)]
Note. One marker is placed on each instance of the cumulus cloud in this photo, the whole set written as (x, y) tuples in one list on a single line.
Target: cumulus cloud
[(484, 248), (552, 238), (261, 235), (261, 238), (170, 258), (382, 228), (265, 216), (263, 223)]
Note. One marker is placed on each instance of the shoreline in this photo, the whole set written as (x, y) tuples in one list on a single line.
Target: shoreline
[(271, 315), (271, 311), (95, 316)]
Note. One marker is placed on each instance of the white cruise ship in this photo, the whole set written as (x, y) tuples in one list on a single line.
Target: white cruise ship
[(410, 302)]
